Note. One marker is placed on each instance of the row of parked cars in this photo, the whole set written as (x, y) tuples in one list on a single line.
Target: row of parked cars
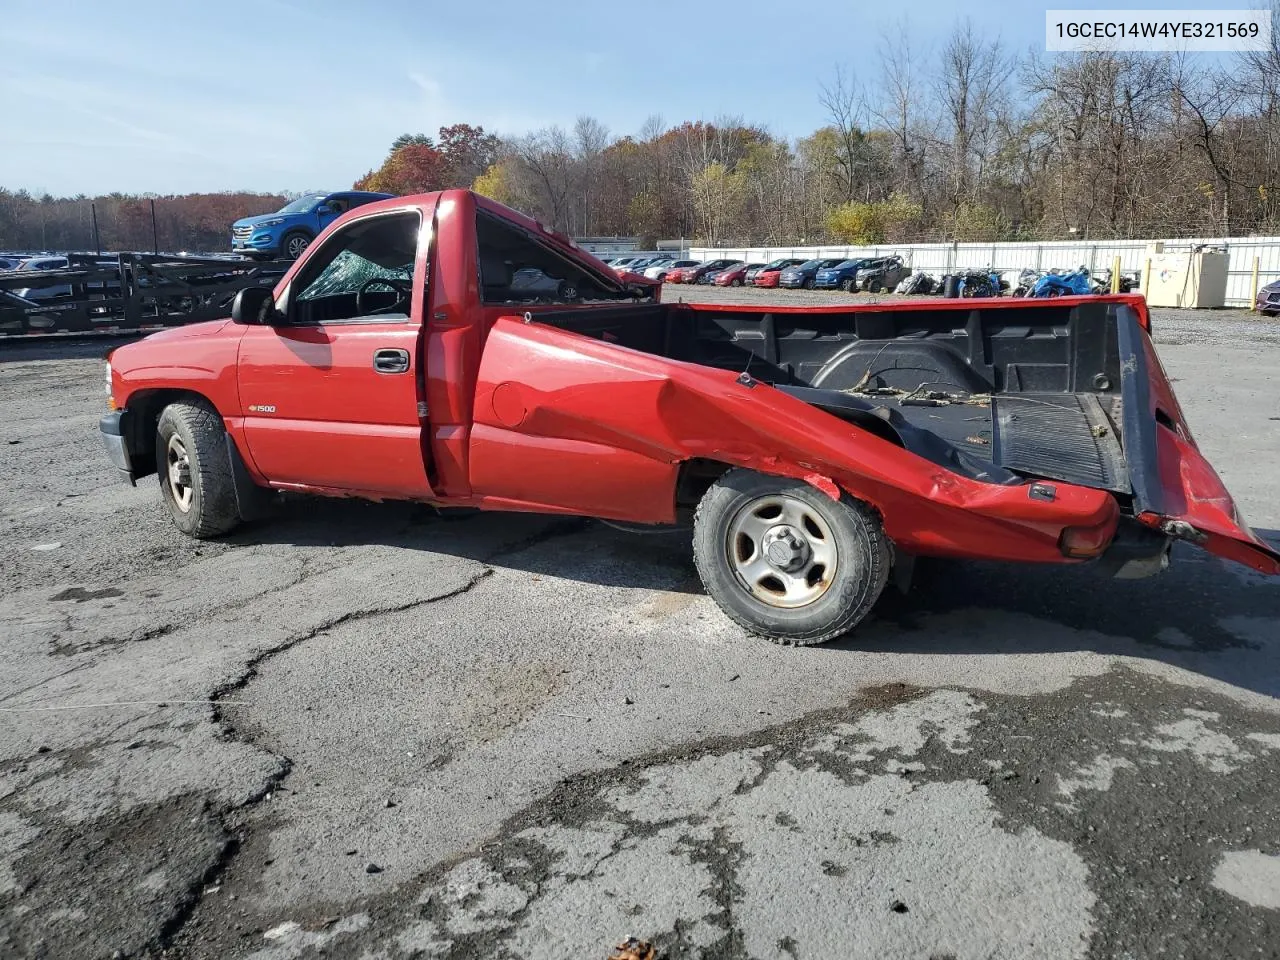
[(872, 274)]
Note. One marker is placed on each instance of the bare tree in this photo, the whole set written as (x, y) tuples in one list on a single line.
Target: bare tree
[(547, 159), (1210, 96), (846, 108), (973, 72), (897, 104)]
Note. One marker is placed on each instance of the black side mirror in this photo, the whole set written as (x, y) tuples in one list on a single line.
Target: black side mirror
[(250, 306), (323, 209)]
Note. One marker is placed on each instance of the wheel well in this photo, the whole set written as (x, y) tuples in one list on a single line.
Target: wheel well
[(144, 414), (693, 481)]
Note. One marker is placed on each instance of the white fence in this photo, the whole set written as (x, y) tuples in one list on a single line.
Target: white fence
[(938, 258)]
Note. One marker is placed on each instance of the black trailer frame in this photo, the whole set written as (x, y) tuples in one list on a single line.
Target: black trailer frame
[(127, 292)]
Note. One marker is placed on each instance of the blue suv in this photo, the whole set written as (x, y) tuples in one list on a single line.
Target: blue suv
[(843, 275), (286, 233)]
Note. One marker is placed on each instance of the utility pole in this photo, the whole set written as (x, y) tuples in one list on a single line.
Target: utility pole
[(155, 234), (97, 241)]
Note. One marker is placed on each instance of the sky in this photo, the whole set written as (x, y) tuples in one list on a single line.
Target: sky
[(139, 96)]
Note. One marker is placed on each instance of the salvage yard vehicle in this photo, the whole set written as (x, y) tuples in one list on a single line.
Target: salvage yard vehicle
[(1267, 301), (881, 274), (844, 275), (735, 276), (695, 273), (803, 274), (660, 271), (813, 449), (769, 274)]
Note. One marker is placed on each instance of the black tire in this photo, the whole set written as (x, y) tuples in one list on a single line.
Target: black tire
[(847, 285), (735, 282), (863, 559), (209, 492), (293, 243), (875, 286), (809, 284)]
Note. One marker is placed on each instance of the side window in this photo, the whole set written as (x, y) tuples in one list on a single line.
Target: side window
[(516, 267), (364, 271)]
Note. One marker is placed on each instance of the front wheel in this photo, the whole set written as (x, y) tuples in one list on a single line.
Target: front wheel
[(785, 561), (809, 284), (293, 244), (847, 285), (195, 471)]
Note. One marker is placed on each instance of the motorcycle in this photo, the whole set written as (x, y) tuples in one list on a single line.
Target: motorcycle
[(979, 283)]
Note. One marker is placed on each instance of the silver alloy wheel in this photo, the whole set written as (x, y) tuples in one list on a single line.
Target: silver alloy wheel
[(179, 473), (782, 551), (297, 243)]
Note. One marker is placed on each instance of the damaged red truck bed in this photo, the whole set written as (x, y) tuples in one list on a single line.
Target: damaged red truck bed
[(445, 349)]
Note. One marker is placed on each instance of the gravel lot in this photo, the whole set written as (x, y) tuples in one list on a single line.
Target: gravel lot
[(374, 731)]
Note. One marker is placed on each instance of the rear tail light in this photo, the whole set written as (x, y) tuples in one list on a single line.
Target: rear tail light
[(1084, 543)]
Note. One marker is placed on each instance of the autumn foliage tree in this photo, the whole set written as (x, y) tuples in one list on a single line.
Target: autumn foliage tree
[(418, 164)]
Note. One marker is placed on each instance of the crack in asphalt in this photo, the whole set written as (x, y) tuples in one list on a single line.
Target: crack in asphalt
[(1140, 888), (174, 926)]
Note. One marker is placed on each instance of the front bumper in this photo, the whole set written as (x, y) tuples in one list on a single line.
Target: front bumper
[(112, 427), (791, 282), (258, 243)]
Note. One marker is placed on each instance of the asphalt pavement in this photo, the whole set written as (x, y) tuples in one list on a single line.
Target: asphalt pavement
[(378, 731)]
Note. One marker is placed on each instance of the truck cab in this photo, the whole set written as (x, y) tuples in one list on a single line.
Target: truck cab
[(283, 235)]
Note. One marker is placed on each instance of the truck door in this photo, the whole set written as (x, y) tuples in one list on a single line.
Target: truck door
[(331, 392)]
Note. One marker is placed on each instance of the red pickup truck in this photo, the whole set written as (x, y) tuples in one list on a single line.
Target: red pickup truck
[(445, 349)]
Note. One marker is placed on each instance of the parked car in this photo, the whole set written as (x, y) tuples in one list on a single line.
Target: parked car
[(803, 491), (881, 274), (711, 276), (843, 275), (767, 276), (660, 271), (536, 284), (802, 275), (43, 293), (735, 276), (9, 263), (285, 234), (625, 263), (1267, 302), (693, 273)]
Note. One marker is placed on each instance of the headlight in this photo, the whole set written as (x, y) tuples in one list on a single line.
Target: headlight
[(269, 223), (111, 403)]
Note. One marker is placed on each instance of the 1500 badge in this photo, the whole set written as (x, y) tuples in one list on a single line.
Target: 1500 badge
[(262, 408)]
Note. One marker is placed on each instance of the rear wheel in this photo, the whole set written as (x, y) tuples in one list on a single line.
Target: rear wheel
[(195, 470), (785, 561)]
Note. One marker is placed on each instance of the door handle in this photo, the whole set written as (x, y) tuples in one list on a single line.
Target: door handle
[(390, 360)]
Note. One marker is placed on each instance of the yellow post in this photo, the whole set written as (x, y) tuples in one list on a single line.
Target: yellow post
[(1253, 286), (1146, 278), (1115, 274)]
